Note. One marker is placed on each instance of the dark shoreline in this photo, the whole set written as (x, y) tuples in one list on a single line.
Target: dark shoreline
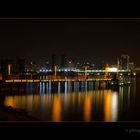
[(7, 113)]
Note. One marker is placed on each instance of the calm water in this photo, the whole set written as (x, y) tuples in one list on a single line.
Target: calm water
[(67, 103)]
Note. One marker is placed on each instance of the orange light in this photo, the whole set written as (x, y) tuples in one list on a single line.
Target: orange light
[(9, 69), (87, 108), (107, 108), (56, 109), (9, 101)]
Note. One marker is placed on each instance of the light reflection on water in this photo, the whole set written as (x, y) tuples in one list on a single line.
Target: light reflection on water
[(61, 107), (74, 105)]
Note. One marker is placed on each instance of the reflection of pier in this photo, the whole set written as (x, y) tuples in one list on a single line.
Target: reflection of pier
[(54, 86), (56, 80)]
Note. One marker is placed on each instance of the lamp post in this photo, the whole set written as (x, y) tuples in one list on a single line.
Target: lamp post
[(9, 71), (55, 70), (86, 72)]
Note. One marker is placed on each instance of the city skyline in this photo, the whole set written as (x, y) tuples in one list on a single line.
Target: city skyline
[(95, 40)]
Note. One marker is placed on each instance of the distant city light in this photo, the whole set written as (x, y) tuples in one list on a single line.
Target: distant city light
[(134, 73), (113, 69), (93, 65)]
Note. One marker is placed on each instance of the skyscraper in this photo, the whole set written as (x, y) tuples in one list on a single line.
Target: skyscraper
[(53, 61), (21, 65), (124, 62), (63, 61)]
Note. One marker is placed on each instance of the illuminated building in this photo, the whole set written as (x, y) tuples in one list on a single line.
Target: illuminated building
[(63, 61), (20, 65), (124, 62), (131, 66), (53, 61)]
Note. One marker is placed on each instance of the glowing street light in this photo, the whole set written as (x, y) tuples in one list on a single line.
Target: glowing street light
[(9, 69)]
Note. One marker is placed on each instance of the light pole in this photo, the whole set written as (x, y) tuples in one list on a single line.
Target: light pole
[(55, 70), (86, 72)]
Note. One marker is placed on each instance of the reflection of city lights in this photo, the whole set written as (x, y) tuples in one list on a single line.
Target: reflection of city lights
[(9, 101), (56, 111), (107, 107), (87, 108), (114, 107)]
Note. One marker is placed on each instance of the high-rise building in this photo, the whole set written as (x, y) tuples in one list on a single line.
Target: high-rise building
[(53, 61), (21, 65), (18, 65), (124, 62), (131, 66), (63, 60)]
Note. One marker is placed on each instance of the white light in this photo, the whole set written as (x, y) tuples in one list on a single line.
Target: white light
[(66, 70), (113, 69), (114, 107), (134, 73)]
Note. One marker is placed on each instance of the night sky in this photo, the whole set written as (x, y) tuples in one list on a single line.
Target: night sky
[(95, 40)]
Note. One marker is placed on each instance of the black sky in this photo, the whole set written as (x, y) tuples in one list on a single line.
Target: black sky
[(93, 40)]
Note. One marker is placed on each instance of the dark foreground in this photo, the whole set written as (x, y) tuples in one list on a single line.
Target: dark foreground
[(9, 114)]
